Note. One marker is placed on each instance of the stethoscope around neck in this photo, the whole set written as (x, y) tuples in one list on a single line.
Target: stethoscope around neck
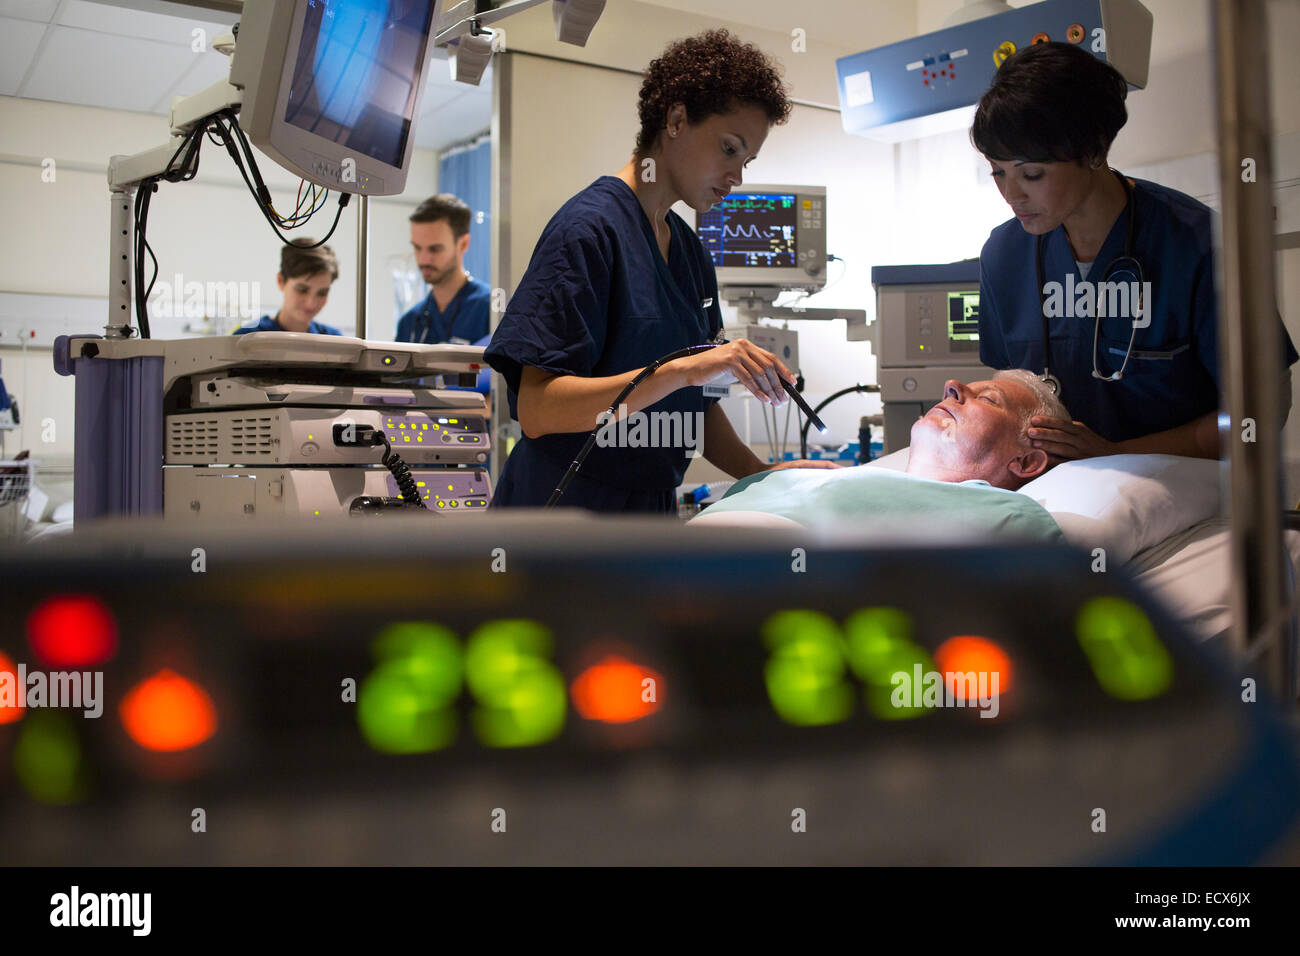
[(451, 322), (1123, 263)]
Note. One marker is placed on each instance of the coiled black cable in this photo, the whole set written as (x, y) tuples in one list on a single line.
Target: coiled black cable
[(401, 474)]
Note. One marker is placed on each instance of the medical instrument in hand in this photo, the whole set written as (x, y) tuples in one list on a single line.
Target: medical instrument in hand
[(566, 480), (645, 373), (851, 390), (803, 407)]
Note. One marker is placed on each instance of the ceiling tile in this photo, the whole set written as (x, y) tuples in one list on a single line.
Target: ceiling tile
[(40, 10), (78, 66), (18, 40), (138, 23)]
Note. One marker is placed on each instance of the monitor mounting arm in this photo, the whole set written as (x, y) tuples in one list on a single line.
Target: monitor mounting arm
[(125, 173)]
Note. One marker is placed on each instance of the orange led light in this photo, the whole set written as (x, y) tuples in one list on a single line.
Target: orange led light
[(616, 691), (10, 710), (967, 653), (167, 713)]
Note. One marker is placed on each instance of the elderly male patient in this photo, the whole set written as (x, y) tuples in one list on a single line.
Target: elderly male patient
[(980, 431), (969, 455)]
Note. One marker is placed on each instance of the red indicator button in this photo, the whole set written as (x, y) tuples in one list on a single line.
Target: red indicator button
[(72, 631)]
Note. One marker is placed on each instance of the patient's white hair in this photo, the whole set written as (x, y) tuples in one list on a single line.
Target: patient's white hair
[(1047, 404)]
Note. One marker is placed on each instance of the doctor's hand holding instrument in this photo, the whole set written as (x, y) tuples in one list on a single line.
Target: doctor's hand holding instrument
[(758, 367), (551, 403)]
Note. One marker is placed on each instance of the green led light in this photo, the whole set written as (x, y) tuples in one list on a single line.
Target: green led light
[(880, 645), (1127, 658), (405, 705), (521, 695), (47, 759), (805, 672)]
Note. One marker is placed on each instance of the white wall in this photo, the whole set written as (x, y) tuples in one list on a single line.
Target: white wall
[(55, 238)]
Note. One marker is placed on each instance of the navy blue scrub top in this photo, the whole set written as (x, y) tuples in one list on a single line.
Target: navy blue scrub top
[(1173, 373), (465, 321), (267, 323), (598, 299)]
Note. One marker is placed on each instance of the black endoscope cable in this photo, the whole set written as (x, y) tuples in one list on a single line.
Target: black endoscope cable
[(641, 377), (613, 410)]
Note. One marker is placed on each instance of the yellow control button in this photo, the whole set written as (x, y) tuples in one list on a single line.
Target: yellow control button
[(1004, 50)]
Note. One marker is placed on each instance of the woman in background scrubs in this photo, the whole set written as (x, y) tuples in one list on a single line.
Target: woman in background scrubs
[(618, 280), (1046, 126)]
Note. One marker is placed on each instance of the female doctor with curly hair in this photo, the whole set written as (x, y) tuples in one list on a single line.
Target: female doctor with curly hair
[(618, 280)]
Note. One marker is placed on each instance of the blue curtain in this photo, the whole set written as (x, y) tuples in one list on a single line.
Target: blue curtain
[(467, 173)]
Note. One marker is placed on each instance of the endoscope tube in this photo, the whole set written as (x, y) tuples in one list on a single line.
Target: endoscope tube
[(613, 410), (645, 373)]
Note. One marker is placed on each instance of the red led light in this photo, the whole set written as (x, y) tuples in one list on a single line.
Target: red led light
[(616, 691), (72, 631), (925, 82), (10, 710)]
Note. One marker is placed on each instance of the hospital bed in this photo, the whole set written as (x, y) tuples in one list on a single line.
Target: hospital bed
[(1158, 516)]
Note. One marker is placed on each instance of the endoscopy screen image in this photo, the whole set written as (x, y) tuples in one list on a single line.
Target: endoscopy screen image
[(354, 77)]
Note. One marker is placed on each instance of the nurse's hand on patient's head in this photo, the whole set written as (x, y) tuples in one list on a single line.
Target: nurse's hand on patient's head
[(1066, 440), (806, 463), (757, 369)]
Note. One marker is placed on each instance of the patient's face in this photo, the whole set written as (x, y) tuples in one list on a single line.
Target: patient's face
[(975, 432)]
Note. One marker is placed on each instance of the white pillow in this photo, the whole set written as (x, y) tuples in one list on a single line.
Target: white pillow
[(1123, 503), (1127, 503), (895, 460)]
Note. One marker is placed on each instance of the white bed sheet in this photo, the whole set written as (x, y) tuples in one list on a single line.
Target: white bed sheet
[(1189, 573)]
